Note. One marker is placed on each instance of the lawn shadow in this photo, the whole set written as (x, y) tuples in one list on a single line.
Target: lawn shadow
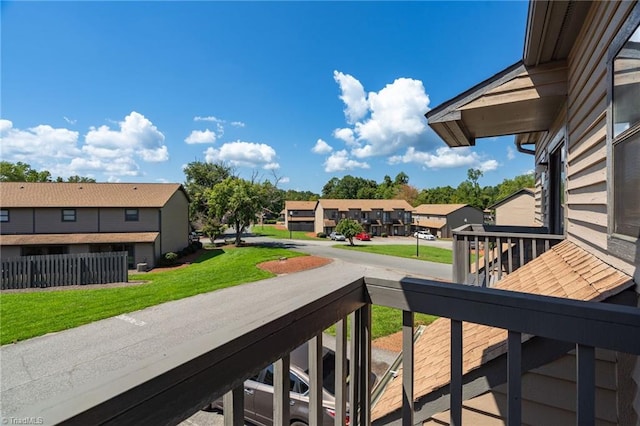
[(206, 254)]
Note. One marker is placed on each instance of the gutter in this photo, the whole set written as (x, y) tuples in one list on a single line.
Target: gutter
[(392, 371), (524, 150)]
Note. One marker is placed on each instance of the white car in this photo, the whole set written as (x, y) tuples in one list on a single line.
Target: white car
[(424, 235), (337, 236)]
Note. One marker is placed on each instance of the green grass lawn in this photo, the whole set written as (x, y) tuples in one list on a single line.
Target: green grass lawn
[(273, 232), (432, 254), (385, 321), (26, 315)]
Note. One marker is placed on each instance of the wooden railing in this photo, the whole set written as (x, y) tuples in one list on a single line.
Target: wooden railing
[(170, 388), (483, 254)]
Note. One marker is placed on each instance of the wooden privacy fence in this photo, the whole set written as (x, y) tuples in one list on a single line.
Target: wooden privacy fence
[(63, 269)]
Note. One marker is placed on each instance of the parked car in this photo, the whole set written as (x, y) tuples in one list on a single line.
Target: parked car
[(337, 236), (363, 236), (424, 235), (258, 391)]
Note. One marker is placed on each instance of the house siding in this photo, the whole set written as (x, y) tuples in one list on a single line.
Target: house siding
[(49, 221), (518, 211), (539, 405), (587, 203), (20, 222), (174, 217), (463, 216), (112, 220)]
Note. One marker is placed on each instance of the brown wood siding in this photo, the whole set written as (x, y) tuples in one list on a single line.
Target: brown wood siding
[(112, 220), (517, 211), (20, 222), (586, 207), (548, 396), (49, 221)]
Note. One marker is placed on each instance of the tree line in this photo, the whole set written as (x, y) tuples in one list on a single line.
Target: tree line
[(220, 198), (22, 172)]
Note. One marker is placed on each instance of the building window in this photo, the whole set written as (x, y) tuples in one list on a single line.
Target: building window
[(625, 104), (4, 215), (131, 215), (69, 215)]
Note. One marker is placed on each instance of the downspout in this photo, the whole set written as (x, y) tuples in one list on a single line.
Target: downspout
[(524, 150)]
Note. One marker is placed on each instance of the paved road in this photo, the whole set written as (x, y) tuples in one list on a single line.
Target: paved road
[(39, 368)]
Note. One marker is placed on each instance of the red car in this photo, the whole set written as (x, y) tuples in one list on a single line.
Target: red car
[(363, 236)]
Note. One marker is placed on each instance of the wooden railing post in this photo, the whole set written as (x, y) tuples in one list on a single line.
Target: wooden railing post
[(315, 380), (281, 390), (234, 407), (407, 368)]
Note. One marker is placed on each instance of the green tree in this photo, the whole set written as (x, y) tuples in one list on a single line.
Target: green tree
[(22, 172), (509, 186), (200, 178), (349, 228), (76, 179), (235, 202)]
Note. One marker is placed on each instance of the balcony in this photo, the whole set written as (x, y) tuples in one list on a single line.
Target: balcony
[(483, 254), (171, 388)]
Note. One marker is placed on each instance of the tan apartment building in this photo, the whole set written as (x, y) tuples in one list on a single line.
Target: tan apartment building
[(441, 219), (516, 209), (146, 220), (377, 217), (573, 102), (300, 215)]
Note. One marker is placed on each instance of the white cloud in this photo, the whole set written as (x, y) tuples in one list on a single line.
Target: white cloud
[(353, 97), (321, 147), (201, 136), (340, 161), (284, 179), (208, 118), (445, 158), (237, 124), (346, 135), (244, 154), (136, 137), (42, 142), (489, 165), (104, 153), (511, 153), (384, 122), (70, 121)]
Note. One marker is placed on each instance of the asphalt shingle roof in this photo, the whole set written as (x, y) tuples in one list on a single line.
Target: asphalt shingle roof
[(57, 194), (566, 270)]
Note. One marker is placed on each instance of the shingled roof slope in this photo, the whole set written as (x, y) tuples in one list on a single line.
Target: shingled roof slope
[(58, 194), (566, 270), (438, 209)]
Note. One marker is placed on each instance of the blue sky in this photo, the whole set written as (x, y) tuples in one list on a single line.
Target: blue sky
[(305, 91)]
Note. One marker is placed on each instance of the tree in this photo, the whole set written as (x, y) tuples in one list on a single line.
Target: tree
[(408, 193), (76, 179), (349, 228), (201, 177), (236, 202), (22, 172), (509, 186)]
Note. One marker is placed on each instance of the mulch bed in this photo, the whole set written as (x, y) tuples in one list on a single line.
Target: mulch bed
[(294, 264)]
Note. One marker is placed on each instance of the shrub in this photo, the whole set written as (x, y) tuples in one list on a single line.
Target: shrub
[(384, 235), (168, 259), (196, 245), (321, 235), (270, 221)]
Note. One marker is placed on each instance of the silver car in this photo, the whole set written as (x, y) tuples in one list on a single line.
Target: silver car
[(258, 391), (337, 236)]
